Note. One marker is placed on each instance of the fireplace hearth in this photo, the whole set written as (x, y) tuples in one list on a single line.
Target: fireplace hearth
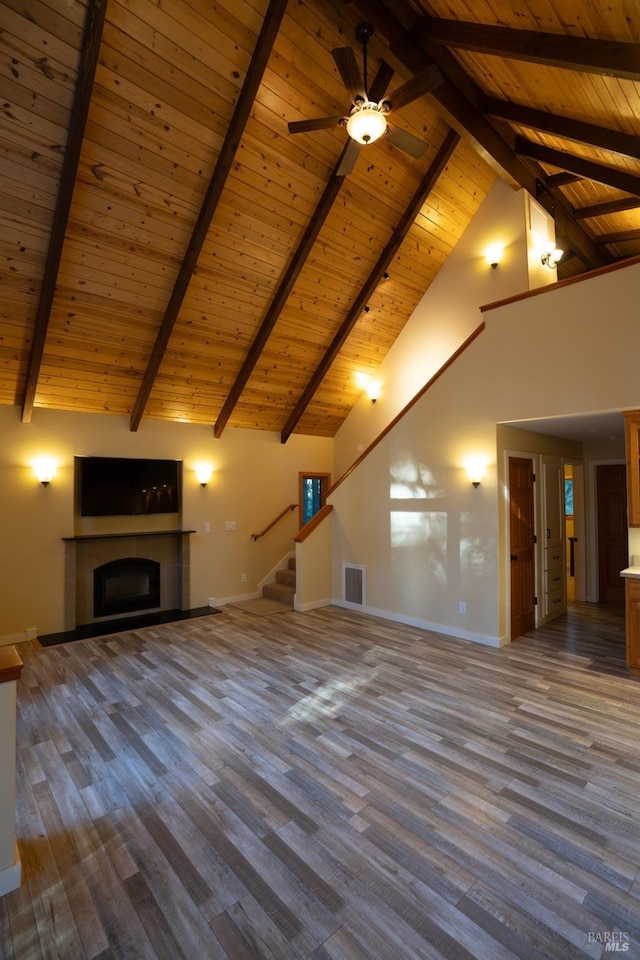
[(126, 586)]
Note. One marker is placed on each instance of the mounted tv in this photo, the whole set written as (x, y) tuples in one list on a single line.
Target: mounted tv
[(117, 486)]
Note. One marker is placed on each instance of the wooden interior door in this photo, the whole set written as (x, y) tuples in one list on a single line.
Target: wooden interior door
[(613, 543), (522, 545)]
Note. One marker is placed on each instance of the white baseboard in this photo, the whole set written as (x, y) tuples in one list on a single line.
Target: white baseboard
[(10, 639), (223, 601), (441, 628), (11, 878), (313, 605)]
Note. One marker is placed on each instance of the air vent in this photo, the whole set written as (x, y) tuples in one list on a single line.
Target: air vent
[(353, 580)]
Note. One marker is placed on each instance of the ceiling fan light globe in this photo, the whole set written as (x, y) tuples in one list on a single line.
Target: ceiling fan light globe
[(366, 123)]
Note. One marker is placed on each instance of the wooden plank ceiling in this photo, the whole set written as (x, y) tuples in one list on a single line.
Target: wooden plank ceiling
[(170, 250)]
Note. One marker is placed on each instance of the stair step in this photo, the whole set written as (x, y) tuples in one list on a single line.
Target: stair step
[(279, 591), (286, 576), (292, 563)]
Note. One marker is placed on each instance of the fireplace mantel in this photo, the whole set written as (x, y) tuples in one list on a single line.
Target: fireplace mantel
[(123, 536), (85, 552)]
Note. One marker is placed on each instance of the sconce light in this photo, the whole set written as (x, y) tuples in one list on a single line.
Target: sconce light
[(551, 258), (203, 473), (373, 390), (493, 254), (475, 470), (45, 470)]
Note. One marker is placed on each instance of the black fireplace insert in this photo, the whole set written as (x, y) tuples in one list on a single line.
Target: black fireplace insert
[(126, 585)]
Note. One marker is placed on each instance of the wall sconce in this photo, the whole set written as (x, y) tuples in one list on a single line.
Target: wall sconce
[(493, 254), (373, 390), (203, 473), (45, 470), (475, 468), (551, 258)]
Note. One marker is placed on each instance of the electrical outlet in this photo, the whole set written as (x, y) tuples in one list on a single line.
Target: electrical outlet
[(207, 526), (462, 607), (230, 525), (243, 577)]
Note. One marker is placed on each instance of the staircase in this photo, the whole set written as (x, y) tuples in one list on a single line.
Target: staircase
[(284, 588)]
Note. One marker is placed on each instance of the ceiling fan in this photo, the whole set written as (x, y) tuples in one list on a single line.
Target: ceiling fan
[(367, 119)]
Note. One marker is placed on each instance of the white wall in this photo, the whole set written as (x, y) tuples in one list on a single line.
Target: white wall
[(449, 311), (255, 477), (408, 513)]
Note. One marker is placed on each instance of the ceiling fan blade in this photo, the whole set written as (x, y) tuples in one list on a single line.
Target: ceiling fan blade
[(349, 158), (321, 123), (381, 81), (406, 141), (347, 66), (423, 82)]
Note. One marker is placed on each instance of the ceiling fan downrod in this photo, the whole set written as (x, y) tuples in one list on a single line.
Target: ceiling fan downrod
[(363, 33)]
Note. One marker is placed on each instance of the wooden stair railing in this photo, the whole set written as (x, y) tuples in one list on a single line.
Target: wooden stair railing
[(292, 506), (311, 525), (325, 511), (389, 427)]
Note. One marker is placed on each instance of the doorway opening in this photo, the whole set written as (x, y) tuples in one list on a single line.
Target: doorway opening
[(570, 533)]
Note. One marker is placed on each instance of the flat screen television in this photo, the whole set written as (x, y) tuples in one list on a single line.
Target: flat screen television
[(119, 486)]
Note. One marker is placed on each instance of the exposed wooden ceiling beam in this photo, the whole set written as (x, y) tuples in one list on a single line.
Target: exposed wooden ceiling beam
[(605, 57), (620, 237), (292, 272), (331, 190), (94, 23), (417, 202), (562, 179), (585, 168), (579, 238), (457, 98), (454, 105), (604, 209), (259, 60), (577, 130), (580, 242)]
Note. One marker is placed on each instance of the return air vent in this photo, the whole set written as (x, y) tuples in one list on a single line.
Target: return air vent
[(353, 583)]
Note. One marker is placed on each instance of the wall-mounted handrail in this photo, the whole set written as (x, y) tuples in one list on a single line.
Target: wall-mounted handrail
[(292, 506), (314, 522)]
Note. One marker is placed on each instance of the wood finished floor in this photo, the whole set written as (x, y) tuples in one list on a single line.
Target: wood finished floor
[(327, 786)]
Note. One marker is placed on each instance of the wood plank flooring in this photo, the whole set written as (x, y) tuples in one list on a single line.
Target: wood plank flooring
[(327, 786)]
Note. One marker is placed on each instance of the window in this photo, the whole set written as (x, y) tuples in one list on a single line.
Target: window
[(313, 489)]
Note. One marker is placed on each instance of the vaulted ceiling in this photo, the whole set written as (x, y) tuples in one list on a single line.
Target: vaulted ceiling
[(170, 250)]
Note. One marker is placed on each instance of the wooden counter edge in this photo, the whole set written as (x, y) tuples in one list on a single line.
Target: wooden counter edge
[(10, 664)]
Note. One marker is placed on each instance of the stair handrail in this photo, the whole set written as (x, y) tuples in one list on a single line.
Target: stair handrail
[(389, 427), (256, 536), (314, 522)]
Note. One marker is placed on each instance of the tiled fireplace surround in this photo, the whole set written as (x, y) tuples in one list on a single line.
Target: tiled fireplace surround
[(169, 548)]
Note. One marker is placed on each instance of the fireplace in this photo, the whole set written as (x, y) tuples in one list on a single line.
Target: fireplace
[(115, 574), (125, 586)]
